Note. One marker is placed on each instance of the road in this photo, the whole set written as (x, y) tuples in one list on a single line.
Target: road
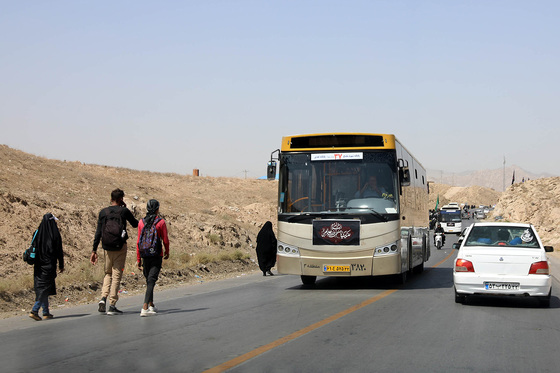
[(273, 324)]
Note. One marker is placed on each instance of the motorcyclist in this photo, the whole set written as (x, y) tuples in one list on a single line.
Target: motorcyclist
[(439, 229)]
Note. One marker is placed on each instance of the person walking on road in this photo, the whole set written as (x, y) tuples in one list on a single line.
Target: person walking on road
[(266, 249), (48, 246), (111, 232), (152, 238)]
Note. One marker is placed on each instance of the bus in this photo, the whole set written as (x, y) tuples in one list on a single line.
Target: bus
[(450, 218), (350, 204)]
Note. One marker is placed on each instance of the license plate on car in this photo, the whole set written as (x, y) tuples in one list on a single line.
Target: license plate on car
[(501, 285), (336, 268)]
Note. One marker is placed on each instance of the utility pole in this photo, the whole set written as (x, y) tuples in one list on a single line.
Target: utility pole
[(245, 171)]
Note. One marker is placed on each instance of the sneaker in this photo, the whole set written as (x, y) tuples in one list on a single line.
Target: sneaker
[(101, 305), (114, 311), (35, 316), (47, 316), (153, 309), (148, 312)]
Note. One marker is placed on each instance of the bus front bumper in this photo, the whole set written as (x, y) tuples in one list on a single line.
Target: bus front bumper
[(340, 267)]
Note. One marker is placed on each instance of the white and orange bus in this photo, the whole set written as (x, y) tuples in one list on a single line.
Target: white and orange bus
[(350, 204)]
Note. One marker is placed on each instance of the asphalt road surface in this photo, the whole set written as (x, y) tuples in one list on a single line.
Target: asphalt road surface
[(273, 324)]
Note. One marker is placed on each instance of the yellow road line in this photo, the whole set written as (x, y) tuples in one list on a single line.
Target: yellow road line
[(261, 350), (444, 260)]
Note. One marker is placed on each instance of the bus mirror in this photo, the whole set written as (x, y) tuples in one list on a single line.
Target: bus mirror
[(404, 172), (271, 171), (404, 176)]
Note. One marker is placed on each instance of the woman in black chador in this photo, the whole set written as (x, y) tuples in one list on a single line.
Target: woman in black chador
[(48, 246), (266, 248)]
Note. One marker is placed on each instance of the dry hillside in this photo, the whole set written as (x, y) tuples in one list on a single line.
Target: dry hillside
[(536, 202), (497, 179), (474, 195), (213, 222)]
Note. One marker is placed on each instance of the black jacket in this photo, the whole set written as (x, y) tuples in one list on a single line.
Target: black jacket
[(126, 215)]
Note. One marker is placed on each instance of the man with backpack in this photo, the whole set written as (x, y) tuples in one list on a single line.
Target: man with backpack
[(111, 232), (152, 238)]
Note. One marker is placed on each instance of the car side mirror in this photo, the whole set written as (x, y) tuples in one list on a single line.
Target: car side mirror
[(548, 249), (456, 246)]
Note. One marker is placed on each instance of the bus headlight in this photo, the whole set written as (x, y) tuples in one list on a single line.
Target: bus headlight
[(389, 249), (287, 249)]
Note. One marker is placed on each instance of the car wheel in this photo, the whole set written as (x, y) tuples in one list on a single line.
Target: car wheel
[(460, 298), (545, 301), (308, 280)]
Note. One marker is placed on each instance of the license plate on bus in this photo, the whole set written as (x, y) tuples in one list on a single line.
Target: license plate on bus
[(501, 285), (336, 268)]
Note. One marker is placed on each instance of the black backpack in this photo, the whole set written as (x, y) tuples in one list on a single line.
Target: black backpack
[(113, 233), (149, 243)]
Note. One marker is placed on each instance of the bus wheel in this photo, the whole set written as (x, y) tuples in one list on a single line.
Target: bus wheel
[(401, 278), (419, 268), (308, 280)]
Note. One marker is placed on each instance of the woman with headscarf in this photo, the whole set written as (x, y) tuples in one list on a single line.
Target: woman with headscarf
[(266, 249), (152, 232), (48, 247)]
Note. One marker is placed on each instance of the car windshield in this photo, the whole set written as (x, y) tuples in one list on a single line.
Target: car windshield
[(508, 236)]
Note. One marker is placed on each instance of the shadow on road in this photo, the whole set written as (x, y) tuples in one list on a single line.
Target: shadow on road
[(70, 316), (508, 302), (431, 278), (178, 310)]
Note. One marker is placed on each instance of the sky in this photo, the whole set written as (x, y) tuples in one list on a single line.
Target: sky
[(172, 86)]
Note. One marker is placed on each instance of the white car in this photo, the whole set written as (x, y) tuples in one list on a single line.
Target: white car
[(502, 259)]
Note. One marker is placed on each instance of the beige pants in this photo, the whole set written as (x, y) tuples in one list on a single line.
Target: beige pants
[(114, 267)]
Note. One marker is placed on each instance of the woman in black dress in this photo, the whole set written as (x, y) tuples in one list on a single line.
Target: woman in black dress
[(48, 247), (266, 249)]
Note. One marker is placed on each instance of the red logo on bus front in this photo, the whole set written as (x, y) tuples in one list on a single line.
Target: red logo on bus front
[(336, 233)]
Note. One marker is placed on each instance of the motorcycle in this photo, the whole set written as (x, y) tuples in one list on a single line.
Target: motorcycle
[(439, 240)]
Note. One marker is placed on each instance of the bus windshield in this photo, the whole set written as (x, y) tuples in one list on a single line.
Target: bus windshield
[(345, 183)]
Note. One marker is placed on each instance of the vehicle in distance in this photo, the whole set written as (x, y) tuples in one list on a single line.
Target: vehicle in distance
[(503, 259), (450, 219), (480, 214)]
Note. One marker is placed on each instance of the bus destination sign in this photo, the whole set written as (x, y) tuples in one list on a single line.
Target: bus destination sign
[(336, 156)]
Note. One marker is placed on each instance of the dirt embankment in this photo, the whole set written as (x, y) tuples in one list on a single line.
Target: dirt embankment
[(212, 222), (473, 195), (536, 202)]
